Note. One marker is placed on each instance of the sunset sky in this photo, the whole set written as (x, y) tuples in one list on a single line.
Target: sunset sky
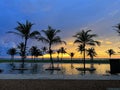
[(69, 16)]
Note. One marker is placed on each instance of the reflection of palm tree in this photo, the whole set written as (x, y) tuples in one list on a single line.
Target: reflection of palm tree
[(51, 38), (85, 38), (12, 52), (24, 30), (110, 52), (44, 50)]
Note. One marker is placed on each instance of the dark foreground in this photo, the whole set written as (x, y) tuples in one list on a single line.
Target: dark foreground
[(58, 84)]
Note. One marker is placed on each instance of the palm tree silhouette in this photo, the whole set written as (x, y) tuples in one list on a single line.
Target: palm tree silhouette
[(34, 51), (110, 52), (51, 38), (24, 30), (12, 52), (80, 48), (91, 52), (38, 53), (117, 28), (72, 55), (20, 47), (85, 38), (62, 51)]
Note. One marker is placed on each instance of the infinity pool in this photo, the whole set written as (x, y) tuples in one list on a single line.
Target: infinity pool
[(66, 69)]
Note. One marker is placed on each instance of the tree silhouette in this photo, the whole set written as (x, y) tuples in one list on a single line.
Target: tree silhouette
[(12, 52), (34, 51), (91, 52), (20, 47), (117, 28), (24, 30), (72, 55), (62, 51), (80, 48), (50, 37), (110, 52), (85, 38)]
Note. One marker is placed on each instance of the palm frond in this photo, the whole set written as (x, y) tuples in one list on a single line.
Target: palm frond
[(34, 34), (17, 33)]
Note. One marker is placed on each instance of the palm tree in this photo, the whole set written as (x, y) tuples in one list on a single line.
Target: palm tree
[(38, 53), (72, 55), (12, 52), (51, 38), (85, 38), (20, 47), (110, 52), (24, 30), (80, 48), (62, 51), (33, 50), (117, 28), (91, 52), (44, 50)]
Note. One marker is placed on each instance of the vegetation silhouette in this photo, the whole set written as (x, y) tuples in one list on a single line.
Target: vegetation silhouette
[(85, 38), (62, 51), (72, 55), (24, 30), (50, 37), (110, 52), (12, 52), (35, 52), (92, 53), (20, 48)]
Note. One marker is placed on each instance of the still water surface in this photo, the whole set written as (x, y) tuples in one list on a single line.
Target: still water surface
[(66, 69)]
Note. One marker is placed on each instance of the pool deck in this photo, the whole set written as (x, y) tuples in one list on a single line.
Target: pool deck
[(67, 77), (59, 82)]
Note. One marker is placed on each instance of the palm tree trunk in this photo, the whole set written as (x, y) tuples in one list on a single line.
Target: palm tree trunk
[(51, 56), (84, 58), (23, 59)]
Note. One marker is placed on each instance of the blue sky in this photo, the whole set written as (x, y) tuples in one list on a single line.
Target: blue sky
[(70, 16)]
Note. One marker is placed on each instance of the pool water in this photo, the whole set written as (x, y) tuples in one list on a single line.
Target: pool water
[(66, 69)]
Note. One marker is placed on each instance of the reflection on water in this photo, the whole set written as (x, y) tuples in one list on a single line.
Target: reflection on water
[(66, 69)]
